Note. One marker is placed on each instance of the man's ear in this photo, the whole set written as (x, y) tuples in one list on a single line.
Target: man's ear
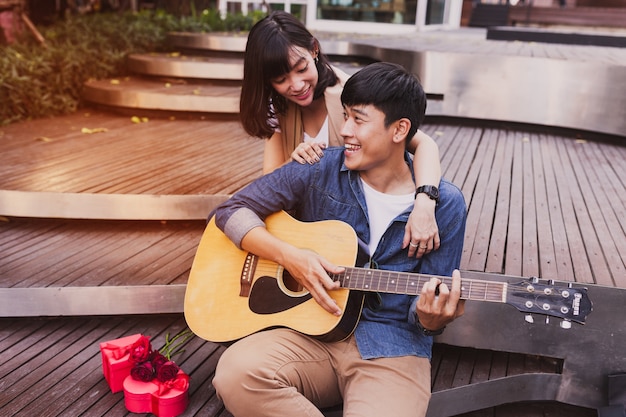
[(401, 129)]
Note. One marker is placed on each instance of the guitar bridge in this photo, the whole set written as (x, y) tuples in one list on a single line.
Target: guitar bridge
[(247, 274)]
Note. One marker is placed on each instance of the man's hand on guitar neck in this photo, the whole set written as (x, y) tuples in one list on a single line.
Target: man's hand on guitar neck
[(439, 305), (305, 266)]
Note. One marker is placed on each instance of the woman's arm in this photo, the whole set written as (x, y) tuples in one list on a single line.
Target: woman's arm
[(273, 153), (421, 229)]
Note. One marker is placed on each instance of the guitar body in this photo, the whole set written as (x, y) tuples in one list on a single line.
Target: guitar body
[(231, 293)]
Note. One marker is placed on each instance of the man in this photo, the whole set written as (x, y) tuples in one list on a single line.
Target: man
[(384, 367)]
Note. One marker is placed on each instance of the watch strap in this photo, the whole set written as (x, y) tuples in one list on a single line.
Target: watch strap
[(430, 190), (427, 332)]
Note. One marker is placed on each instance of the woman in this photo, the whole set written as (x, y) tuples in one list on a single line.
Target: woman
[(291, 96)]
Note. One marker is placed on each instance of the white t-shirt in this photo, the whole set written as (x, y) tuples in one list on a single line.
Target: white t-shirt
[(382, 209), (322, 135)]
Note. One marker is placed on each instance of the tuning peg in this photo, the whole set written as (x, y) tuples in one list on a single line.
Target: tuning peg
[(534, 280), (566, 324), (529, 318), (547, 319)]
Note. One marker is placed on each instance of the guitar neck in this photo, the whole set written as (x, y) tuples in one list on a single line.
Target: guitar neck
[(377, 280)]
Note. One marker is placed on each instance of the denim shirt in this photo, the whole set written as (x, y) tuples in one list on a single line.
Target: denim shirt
[(329, 191)]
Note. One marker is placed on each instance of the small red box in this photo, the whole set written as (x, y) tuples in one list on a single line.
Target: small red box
[(168, 399), (115, 364)]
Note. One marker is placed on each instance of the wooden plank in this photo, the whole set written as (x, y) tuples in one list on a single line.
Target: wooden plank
[(464, 369), (563, 261), (498, 240), (468, 146), (96, 252), (15, 237), (456, 165), (24, 386), (610, 235), (446, 137), (545, 239), (29, 337), (45, 265), (79, 301), (447, 368), (574, 16), (530, 263), (36, 249), (482, 366), (499, 364), (91, 394), (105, 162), (514, 256), (83, 358), (163, 264), (615, 191), (582, 269), (474, 190), (484, 230), (590, 240)]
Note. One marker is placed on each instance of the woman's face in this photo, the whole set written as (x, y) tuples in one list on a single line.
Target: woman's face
[(298, 85)]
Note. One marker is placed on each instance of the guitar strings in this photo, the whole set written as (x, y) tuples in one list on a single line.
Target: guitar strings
[(397, 282)]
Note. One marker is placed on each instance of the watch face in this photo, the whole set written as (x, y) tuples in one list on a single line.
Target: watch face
[(430, 190)]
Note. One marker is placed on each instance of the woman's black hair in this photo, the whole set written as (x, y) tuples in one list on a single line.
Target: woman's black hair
[(270, 44)]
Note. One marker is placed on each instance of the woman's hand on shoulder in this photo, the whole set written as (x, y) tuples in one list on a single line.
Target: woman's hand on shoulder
[(421, 233), (308, 152)]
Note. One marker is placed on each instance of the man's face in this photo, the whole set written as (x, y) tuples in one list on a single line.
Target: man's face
[(367, 141)]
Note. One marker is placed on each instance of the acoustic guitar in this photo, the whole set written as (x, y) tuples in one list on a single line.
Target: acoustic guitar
[(233, 293)]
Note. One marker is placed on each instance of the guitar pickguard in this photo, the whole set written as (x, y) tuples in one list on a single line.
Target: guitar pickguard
[(267, 297)]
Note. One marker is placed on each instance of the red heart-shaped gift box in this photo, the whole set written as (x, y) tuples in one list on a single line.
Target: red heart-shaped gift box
[(163, 399), (115, 364)]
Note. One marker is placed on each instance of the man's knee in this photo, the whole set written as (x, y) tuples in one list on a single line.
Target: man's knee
[(227, 377)]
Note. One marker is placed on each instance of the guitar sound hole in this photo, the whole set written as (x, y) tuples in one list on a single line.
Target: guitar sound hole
[(290, 283)]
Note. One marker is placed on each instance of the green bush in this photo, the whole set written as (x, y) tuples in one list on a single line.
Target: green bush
[(40, 81)]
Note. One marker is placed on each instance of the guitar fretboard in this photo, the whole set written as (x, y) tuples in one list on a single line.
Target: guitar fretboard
[(378, 280)]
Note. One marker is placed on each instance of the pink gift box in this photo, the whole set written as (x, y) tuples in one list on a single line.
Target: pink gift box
[(163, 399), (115, 364)]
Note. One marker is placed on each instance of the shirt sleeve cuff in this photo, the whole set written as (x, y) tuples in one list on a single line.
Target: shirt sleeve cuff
[(240, 223)]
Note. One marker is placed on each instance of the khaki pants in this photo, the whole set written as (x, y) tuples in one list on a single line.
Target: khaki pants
[(283, 373)]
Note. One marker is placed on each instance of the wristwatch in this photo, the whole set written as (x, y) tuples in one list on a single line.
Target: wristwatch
[(427, 332), (430, 190)]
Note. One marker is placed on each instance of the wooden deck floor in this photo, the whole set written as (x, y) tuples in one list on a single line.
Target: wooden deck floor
[(53, 368), (542, 204)]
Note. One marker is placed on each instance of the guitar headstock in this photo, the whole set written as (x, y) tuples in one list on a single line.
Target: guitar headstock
[(560, 300)]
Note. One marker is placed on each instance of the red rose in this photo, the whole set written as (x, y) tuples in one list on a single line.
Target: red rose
[(167, 371), (142, 372), (140, 350), (157, 360)]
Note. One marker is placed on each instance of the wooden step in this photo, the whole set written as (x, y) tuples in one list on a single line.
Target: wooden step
[(173, 82), (165, 94), (207, 41), (179, 65)]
